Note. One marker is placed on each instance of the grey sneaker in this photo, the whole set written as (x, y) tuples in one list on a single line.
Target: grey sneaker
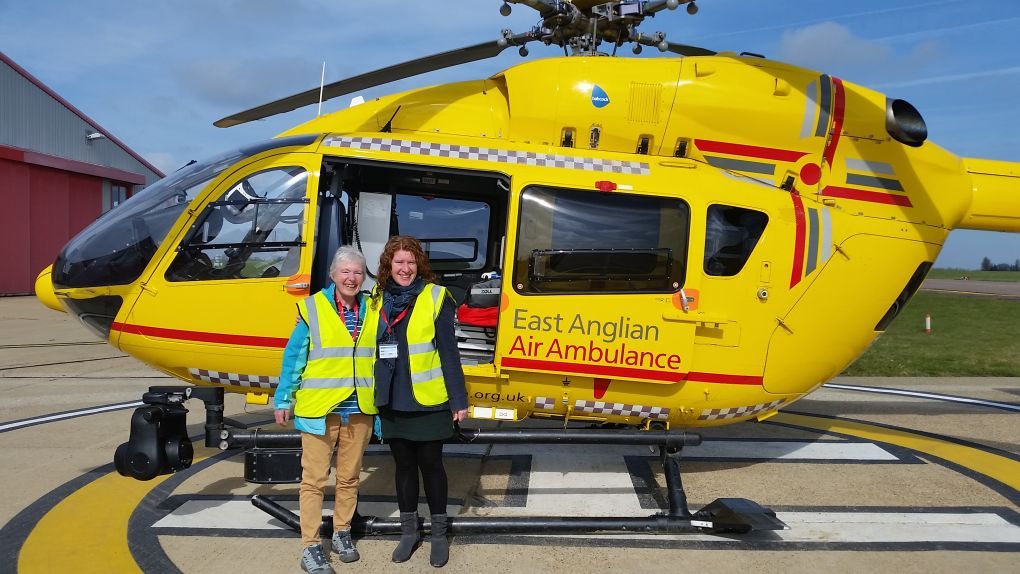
[(344, 546), (313, 561)]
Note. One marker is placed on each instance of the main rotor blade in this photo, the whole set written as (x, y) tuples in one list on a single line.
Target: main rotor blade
[(374, 78), (685, 50)]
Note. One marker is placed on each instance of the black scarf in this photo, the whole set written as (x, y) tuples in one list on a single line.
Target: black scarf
[(396, 298)]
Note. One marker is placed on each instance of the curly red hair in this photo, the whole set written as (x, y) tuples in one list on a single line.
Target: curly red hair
[(401, 243)]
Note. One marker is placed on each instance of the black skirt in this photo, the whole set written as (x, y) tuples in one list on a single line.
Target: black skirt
[(419, 426)]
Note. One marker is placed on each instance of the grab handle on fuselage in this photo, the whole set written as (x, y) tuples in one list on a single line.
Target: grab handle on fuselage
[(708, 319), (298, 285)]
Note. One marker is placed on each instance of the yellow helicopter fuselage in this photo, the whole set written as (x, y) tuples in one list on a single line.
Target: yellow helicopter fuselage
[(691, 242)]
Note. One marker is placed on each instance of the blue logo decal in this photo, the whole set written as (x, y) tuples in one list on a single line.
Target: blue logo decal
[(599, 97)]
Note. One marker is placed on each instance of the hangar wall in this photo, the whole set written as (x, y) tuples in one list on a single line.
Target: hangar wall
[(43, 209)]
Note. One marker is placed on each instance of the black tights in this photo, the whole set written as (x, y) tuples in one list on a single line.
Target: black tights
[(410, 456)]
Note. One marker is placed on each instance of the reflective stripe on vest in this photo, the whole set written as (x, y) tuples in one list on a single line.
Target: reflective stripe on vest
[(426, 369), (337, 365)]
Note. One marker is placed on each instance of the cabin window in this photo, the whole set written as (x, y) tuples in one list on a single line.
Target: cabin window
[(453, 232), (730, 236), (572, 241), (253, 230)]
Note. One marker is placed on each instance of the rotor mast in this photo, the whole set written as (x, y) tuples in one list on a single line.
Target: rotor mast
[(583, 25)]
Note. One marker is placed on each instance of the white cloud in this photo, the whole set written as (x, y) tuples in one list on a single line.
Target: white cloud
[(827, 45), (833, 48), (947, 78), (967, 29)]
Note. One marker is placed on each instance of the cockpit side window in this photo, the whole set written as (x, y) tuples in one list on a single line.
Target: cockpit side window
[(730, 236), (572, 241), (253, 230)]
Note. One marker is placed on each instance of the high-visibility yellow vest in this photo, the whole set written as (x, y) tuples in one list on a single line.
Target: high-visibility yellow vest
[(427, 381), (337, 365)]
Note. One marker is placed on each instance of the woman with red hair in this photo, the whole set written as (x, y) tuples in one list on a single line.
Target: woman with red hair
[(419, 385)]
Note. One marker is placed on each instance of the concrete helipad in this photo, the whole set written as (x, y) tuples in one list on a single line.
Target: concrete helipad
[(908, 475)]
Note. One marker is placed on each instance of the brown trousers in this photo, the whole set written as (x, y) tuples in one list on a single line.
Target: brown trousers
[(350, 441)]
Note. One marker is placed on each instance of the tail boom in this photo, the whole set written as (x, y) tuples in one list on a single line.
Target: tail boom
[(996, 196)]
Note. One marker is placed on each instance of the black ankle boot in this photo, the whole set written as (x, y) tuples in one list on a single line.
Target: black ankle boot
[(409, 538), (440, 544)]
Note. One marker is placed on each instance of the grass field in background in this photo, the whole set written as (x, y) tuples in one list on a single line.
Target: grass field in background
[(971, 336), (1012, 276)]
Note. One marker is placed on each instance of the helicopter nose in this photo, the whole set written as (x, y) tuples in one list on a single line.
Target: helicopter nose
[(44, 290)]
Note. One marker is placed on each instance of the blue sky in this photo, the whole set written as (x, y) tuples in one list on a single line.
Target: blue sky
[(157, 74)]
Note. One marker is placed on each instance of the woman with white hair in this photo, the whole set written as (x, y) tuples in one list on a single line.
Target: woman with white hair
[(327, 383)]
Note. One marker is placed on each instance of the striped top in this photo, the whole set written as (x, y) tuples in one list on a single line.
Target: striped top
[(351, 319)]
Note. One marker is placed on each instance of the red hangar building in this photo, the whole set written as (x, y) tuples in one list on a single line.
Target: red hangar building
[(59, 170)]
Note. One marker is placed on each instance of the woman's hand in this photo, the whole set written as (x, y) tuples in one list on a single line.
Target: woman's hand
[(282, 416), (460, 415)]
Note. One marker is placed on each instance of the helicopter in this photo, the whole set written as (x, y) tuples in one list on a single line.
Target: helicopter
[(659, 243)]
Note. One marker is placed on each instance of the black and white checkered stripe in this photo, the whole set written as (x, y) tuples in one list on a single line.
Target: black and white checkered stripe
[(737, 412), (235, 379), (620, 409), (489, 154), (545, 403)]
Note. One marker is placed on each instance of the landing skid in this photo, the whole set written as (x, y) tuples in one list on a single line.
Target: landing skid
[(159, 445), (724, 515)]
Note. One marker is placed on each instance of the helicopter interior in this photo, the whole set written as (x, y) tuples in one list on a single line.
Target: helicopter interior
[(459, 217)]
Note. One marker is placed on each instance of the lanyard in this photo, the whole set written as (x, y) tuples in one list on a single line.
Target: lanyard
[(341, 308), (389, 326)]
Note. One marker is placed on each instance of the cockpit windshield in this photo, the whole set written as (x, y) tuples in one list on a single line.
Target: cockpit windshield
[(115, 249)]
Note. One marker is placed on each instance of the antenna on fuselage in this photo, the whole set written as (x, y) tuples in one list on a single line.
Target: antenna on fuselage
[(322, 85)]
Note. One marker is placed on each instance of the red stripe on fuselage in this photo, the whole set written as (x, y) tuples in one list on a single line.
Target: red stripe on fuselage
[(869, 196), (838, 110), (749, 150), (798, 245), (604, 371), (724, 378), (201, 336), (626, 372)]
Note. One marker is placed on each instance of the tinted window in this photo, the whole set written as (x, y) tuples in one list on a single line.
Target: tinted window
[(454, 232), (586, 241), (254, 229), (730, 237)]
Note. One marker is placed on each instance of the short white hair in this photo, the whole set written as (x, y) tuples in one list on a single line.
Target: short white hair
[(346, 253)]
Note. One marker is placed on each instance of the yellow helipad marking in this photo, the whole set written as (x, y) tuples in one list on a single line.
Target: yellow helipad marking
[(1000, 468), (88, 530)]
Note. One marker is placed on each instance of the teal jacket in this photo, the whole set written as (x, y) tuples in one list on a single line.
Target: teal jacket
[(295, 357)]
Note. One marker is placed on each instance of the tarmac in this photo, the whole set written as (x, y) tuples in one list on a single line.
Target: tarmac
[(871, 474), (1009, 289)]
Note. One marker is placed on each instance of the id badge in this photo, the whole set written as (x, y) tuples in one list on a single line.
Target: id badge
[(388, 351)]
